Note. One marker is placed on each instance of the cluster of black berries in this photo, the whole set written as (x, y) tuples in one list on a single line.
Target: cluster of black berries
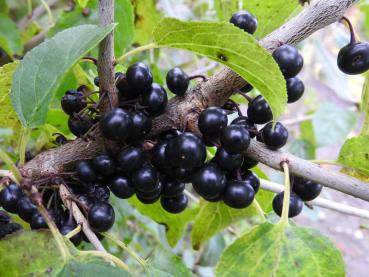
[(13, 200), (302, 190), (7, 227)]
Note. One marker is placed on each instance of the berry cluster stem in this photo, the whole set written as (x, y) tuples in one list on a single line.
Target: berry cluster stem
[(351, 28), (286, 195)]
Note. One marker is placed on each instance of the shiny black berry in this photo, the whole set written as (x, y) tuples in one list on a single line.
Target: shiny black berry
[(238, 194), (169, 134), (181, 174), (235, 139), (101, 216), (251, 178), (155, 100), (247, 124), (145, 179), (125, 90), (158, 155), (69, 227), (80, 124), (226, 161), (245, 21), (186, 151), (296, 204), (306, 189), (171, 188), (295, 89), (9, 197), (104, 165), (149, 197), (274, 138), (38, 222), (212, 121), (248, 163), (174, 205), (141, 126), (116, 124), (353, 58), (121, 186), (289, 60), (177, 81), (25, 208), (131, 158), (259, 111), (85, 172), (209, 181), (73, 102), (86, 201), (139, 76)]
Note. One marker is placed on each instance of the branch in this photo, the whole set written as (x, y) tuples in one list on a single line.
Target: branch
[(105, 65), (182, 113), (66, 197)]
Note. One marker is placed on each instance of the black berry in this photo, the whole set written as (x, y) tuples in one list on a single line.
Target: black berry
[(121, 186), (125, 90), (139, 76), (259, 111), (85, 172), (212, 121), (145, 179), (98, 192), (69, 227), (73, 102), (155, 100), (158, 155), (238, 194), (295, 89), (247, 124), (177, 81), (25, 208), (80, 124), (235, 139), (289, 60), (141, 126), (245, 21), (38, 222), (296, 204), (354, 58), (131, 158), (104, 165), (101, 216), (248, 163), (175, 204), (226, 161), (252, 179), (274, 138), (149, 197), (116, 124), (9, 197), (307, 190), (171, 188)]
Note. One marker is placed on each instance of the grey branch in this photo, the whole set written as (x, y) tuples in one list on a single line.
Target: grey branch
[(182, 113)]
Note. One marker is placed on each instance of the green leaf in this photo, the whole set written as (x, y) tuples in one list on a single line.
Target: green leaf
[(214, 217), (332, 124), (231, 46), (32, 29), (303, 149), (124, 33), (92, 268), (30, 253), (39, 74), (275, 250), (270, 14), (10, 38), (174, 224), (146, 17), (164, 263), (8, 117), (365, 107), (82, 3), (212, 251), (355, 154)]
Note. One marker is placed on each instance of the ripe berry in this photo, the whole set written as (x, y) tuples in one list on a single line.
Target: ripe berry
[(101, 216), (169, 134), (141, 126), (235, 139), (259, 111), (212, 121), (238, 194), (155, 100), (158, 155), (296, 204), (139, 76), (186, 151), (226, 161), (131, 158), (247, 124), (175, 204), (10, 228), (125, 90), (145, 179), (25, 208), (289, 60), (171, 188), (116, 124), (181, 174), (209, 181), (307, 190), (4, 217), (73, 102), (248, 163), (69, 227), (85, 172), (86, 200), (38, 222), (97, 81), (99, 193), (245, 21), (149, 197), (121, 186), (80, 124), (9, 197), (295, 89), (252, 179), (177, 81), (104, 165), (274, 138), (354, 58)]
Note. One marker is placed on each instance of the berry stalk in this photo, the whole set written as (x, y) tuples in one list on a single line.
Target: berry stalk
[(286, 195)]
